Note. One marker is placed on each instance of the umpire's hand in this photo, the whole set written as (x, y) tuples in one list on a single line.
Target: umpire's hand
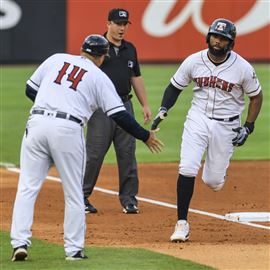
[(154, 144)]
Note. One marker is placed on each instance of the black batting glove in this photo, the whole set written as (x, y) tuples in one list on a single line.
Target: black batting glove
[(162, 113), (242, 134)]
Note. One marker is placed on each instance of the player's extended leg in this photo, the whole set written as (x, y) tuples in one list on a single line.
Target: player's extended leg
[(34, 165), (185, 186), (125, 146), (100, 130), (194, 143), (68, 151), (219, 153)]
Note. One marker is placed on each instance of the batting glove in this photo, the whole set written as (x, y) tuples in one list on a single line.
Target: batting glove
[(162, 113), (242, 134)]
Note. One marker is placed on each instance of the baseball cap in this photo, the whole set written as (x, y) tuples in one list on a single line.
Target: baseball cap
[(118, 15)]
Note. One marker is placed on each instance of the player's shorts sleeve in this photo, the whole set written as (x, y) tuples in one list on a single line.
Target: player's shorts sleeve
[(115, 110), (251, 84), (182, 77), (39, 74), (33, 83)]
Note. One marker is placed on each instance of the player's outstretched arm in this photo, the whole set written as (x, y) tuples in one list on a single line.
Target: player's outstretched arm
[(170, 96), (162, 113), (154, 144), (127, 122)]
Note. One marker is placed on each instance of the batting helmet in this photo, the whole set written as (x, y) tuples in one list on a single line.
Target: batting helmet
[(224, 28), (95, 45)]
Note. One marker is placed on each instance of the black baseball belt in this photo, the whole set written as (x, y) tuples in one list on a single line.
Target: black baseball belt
[(62, 115), (229, 119)]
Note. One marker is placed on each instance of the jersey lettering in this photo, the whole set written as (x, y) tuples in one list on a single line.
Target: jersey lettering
[(214, 82), (72, 76)]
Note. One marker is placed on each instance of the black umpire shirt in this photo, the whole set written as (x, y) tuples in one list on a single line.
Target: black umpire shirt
[(121, 66)]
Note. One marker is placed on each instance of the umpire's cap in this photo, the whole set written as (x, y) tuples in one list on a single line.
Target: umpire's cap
[(96, 45), (118, 15)]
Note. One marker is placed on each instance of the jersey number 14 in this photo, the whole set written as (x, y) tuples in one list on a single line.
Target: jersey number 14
[(75, 76)]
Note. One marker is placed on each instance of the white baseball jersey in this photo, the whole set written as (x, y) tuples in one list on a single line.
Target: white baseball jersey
[(218, 93), (219, 90), (75, 85)]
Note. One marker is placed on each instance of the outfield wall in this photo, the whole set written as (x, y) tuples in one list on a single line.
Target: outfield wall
[(163, 31), (31, 30)]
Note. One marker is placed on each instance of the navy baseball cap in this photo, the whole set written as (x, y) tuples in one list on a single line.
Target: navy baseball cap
[(118, 15)]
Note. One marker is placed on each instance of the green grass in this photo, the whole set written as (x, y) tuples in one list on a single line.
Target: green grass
[(14, 110), (15, 107), (43, 255)]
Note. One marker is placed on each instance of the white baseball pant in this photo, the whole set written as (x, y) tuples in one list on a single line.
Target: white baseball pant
[(203, 135), (49, 140)]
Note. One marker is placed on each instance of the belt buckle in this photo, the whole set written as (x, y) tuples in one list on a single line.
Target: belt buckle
[(50, 113), (226, 119)]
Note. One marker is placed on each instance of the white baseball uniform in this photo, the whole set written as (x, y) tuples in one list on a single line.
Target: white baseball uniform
[(69, 89), (218, 93)]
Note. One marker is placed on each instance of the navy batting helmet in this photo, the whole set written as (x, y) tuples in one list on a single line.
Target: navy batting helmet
[(224, 28), (96, 45)]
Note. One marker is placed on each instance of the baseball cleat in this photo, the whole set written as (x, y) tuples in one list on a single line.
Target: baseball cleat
[(131, 209), (19, 253), (181, 232), (77, 256), (88, 207)]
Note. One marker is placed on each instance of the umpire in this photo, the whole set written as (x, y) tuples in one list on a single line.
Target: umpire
[(122, 67)]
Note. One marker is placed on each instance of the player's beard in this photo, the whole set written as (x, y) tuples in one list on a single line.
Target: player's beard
[(218, 53)]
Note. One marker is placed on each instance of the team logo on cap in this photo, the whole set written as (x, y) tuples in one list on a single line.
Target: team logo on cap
[(221, 26), (122, 14)]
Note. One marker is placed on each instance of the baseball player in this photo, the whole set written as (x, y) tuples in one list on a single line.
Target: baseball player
[(66, 90), (221, 79)]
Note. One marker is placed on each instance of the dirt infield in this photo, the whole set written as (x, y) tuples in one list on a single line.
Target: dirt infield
[(214, 242)]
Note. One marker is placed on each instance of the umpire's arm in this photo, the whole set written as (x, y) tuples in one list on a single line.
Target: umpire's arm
[(139, 89)]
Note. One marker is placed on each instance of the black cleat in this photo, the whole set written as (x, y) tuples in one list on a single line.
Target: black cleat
[(131, 209), (77, 257), (19, 253), (88, 207)]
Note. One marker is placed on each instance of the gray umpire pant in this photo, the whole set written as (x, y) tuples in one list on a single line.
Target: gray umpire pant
[(101, 132)]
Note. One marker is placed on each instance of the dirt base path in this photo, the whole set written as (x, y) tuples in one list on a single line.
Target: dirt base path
[(214, 242)]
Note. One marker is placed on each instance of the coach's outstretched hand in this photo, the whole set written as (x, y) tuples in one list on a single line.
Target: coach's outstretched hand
[(153, 143)]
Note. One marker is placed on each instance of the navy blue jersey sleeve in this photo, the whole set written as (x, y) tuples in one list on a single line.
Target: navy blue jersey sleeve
[(30, 92), (170, 96), (126, 121)]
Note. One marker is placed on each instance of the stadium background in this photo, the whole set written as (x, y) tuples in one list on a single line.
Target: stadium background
[(163, 31)]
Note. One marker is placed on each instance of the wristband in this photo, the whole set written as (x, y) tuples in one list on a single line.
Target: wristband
[(249, 126)]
